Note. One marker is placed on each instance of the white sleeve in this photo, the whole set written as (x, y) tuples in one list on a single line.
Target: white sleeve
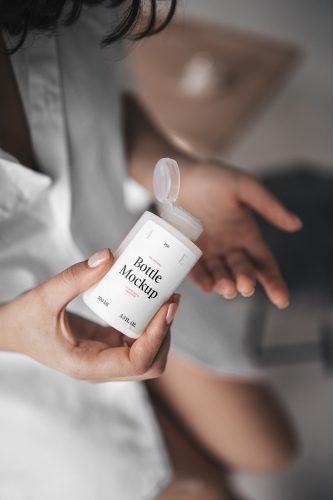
[(27, 242), (19, 185)]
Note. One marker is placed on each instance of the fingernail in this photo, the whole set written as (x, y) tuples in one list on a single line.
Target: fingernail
[(99, 258), (230, 297), (171, 313), (248, 294), (299, 221), (283, 306)]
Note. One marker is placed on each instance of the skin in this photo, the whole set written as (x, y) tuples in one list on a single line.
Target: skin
[(213, 425), (37, 324), (235, 258), (228, 417), (197, 475), (224, 199)]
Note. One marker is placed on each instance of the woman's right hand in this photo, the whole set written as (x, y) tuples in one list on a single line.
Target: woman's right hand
[(37, 324)]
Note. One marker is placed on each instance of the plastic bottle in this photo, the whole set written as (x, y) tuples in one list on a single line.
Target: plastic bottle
[(151, 262)]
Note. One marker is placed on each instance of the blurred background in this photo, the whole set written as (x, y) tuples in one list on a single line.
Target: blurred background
[(252, 82)]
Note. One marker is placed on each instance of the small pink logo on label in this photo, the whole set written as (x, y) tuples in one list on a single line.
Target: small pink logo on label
[(131, 292), (154, 260)]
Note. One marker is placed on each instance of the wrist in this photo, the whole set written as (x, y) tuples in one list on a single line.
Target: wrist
[(193, 179), (201, 178)]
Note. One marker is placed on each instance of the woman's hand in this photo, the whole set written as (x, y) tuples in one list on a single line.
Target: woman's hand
[(36, 323), (235, 254)]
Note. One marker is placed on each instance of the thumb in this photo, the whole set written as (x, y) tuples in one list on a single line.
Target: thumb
[(65, 286)]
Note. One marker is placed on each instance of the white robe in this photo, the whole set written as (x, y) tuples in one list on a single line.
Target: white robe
[(61, 438)]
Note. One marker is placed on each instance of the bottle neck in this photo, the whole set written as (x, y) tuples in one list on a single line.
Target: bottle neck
[(182, 220)]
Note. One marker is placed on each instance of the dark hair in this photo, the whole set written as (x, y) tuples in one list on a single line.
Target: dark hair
[(19, 17)]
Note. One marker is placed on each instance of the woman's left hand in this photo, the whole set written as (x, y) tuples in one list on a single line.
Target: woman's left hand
[(235, 255)]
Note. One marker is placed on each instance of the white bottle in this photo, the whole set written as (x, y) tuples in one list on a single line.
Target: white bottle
[(151, 262)]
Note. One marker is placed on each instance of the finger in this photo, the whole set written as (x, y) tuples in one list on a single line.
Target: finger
[(127, 341), (257, 197), (65, 286), (156, 369), (84, 329), (146, 347), (243, 271), (202, 277), (224, 283), (160, 360), (94, 361), (271, 279)]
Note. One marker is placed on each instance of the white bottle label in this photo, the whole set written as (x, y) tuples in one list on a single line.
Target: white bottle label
[(142, 278)]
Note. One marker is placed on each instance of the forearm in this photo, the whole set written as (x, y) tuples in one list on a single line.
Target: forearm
[(145, 145)]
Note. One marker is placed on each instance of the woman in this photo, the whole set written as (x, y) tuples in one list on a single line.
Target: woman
[(62, 168)]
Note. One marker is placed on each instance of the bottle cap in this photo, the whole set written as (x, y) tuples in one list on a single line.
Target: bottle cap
[(166, 180), (166, 183)]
